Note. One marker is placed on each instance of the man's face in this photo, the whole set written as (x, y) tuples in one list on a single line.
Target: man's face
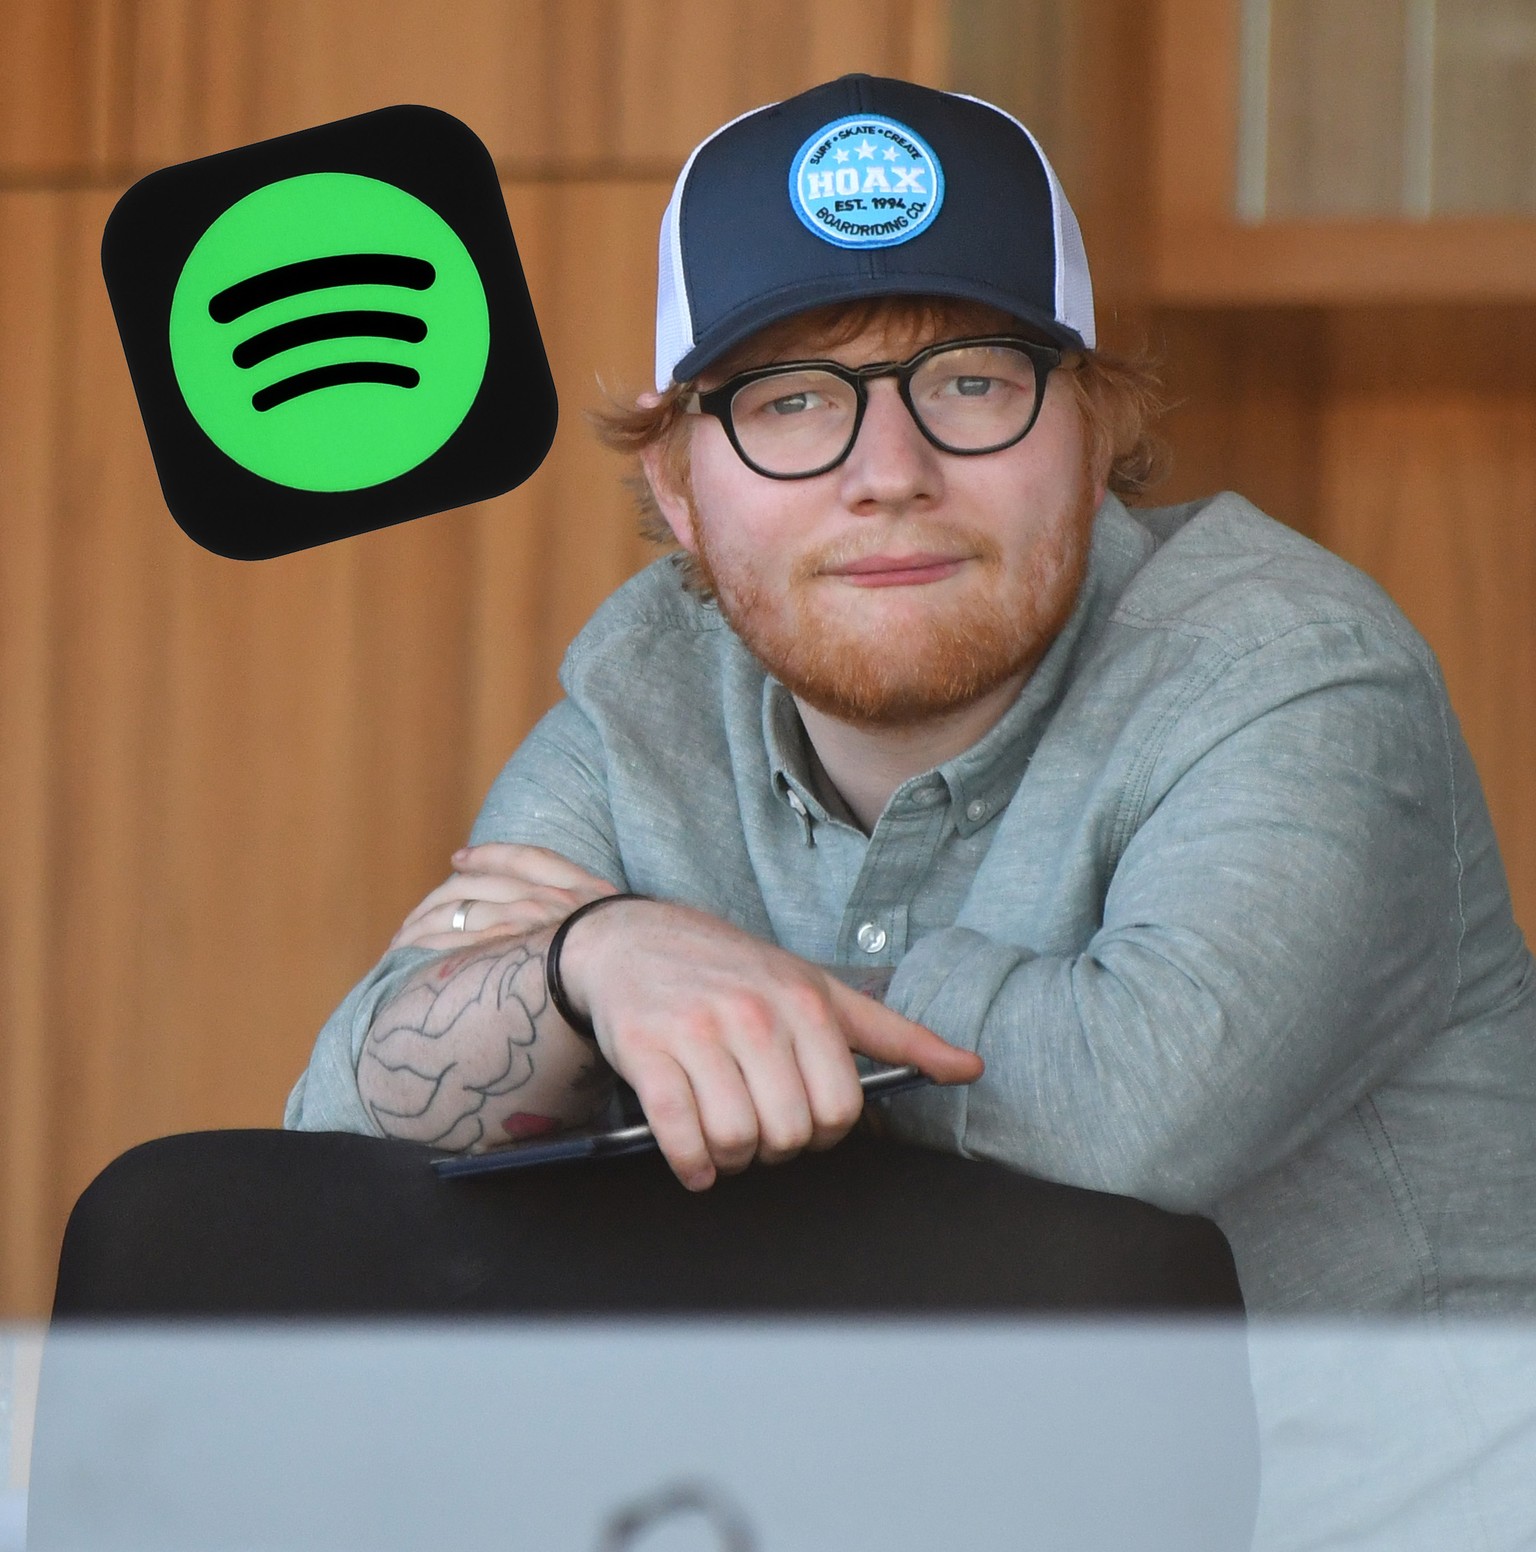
[(907, 582)]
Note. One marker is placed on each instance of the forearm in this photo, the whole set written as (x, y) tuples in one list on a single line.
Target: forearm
[(470, 1053), (1126, 1077)]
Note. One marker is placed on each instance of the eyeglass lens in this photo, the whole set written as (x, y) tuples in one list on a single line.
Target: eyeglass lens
[(971, 399)]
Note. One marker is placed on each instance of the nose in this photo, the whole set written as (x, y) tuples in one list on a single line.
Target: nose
[(891, 463)]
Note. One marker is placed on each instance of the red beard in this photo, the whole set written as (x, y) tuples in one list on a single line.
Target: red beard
[(943, 663)]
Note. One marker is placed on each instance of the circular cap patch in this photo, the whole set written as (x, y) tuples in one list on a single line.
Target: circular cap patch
[(866, 182)]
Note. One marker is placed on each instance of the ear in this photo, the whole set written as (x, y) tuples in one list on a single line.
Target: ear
[(670, 500)]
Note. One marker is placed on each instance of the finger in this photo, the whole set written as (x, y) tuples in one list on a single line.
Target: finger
[(765, 1057), (523, 912), (483, 921), (727, 1109), (536, 864), (452, 892), (430, 902), (447, 940), (459, 887), (875, 1030), (666, 1096), (832, 1088)]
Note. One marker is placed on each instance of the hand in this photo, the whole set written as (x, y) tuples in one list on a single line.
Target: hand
[(737, 1050), (512, 890)]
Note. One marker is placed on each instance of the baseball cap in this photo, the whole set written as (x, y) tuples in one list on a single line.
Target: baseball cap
[(864, 186)]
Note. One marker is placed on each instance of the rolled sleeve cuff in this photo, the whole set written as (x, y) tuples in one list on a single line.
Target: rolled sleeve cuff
[(948, 982)]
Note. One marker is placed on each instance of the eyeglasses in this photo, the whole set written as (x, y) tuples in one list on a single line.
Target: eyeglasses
[(800, 418)]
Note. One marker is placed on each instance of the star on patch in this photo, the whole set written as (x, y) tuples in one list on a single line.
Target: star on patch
[(866, 150), (890, 153), (839, 156)]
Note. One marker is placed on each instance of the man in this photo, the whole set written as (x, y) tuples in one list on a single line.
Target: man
[(1152, 832)]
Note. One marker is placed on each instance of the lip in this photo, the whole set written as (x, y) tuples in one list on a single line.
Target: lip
[(898, 570)]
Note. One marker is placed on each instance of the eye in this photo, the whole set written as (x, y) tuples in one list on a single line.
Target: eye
[(794, 403), (977, 374), (973, 386), (788, 396)]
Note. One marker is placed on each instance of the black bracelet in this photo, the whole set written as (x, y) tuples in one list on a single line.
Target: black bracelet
[(552, 980)]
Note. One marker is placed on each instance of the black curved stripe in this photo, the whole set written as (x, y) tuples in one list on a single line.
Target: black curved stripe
[(340, 269), (325, 326), (332, 377)]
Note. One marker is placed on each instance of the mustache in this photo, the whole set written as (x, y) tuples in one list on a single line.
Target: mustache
[(948, 539)]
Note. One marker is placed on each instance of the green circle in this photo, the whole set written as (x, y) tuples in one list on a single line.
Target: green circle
[(346, 434)]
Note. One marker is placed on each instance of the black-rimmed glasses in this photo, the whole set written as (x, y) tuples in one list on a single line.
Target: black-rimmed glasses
[(796, 419)]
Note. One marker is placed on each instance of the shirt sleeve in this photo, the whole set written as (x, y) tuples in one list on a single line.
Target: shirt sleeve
[(552, 793), (1281, 929)]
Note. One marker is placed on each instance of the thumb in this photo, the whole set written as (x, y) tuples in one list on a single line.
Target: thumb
[(875, 1030)]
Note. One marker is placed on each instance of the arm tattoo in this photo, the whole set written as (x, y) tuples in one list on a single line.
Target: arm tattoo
[(453, 1040)]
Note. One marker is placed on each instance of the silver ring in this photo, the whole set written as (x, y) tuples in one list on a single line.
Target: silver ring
[(461, 916)]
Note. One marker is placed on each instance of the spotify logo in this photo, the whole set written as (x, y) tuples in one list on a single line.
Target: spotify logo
[(329, 332), (329, 370)]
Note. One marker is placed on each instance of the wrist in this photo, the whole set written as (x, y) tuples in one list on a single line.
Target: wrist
[(567, 1000)]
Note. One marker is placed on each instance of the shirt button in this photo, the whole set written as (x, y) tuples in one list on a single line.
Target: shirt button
[(793, 799), (871, 938), (975, 809)]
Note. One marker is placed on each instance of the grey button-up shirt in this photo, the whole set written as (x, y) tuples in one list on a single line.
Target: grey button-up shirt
[(1218, 900)]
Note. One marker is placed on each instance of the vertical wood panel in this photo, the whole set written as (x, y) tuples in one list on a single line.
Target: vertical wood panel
[(1192, 46), (1429, 484), (59, 88), (1107, 152), (550, 552), (601, 302), (413, 629), (31, 301), (1247, 390), (1484, 107), (688, 67), (253, 843), (1436, 499), (1009, 52), (1337, 102), (111, 678)]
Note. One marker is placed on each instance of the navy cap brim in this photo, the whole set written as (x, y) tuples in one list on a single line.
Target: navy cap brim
[(746, 321)]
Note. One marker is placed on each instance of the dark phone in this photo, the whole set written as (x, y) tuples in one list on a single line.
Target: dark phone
[(626, 1139)]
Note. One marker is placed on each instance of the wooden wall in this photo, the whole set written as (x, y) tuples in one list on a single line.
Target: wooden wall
[(223, 784)]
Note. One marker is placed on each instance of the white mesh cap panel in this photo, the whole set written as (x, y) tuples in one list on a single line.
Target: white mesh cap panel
[(674, 315), (1074, 288), (674, 319)]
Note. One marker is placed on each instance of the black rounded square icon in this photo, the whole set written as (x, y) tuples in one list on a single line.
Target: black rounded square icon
[(329, 332)]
